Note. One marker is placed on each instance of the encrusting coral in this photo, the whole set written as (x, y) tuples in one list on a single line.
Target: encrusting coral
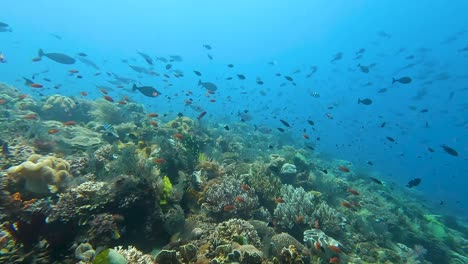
[(42, 174)]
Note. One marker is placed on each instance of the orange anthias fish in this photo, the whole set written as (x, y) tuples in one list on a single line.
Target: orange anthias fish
[(153, 123), (159, 161), (334, 260), (30, 116), (108, 98), (69, 123), (245, 187), (299, 220), (335, 249), (179, 136), (239, 199), (279, 200), (346, 204), (353, 192), (84, 93), (228, 208), (104, 91), (52, 131), (343, 169), (305, 136), (2, 101), (152, 115), (35, 85)]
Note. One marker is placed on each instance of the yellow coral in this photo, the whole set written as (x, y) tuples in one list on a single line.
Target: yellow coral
[(42, 174)]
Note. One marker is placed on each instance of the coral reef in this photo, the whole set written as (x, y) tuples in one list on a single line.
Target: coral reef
[(225, 197), (297, 208), (42, 174)]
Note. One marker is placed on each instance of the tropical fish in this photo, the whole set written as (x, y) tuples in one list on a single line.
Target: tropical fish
[(365, 101), (208, 85), (376, 180), (2, 58), (197, 73), (364, 69), (146, 90), (343, 169), (449, 150), (146, 57), (206, 46), (403, 80), (285, 123), (414, 182), (338, 56), (57, 57)]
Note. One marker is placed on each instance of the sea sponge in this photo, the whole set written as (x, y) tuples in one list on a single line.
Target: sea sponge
[(42, 174)]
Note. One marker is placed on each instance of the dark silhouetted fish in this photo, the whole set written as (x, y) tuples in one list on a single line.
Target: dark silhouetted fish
[(414, 182), (88, 63), (146, 57), (285, 123), (146, 90), (449, 150), (390, 139), (208, 85), (364, 69), (197, 73), (376, 180), (338, 56), (241, 76), (403, 80), (206, 46), (289, 78), (3, 24), (57, 57), (366, 101)]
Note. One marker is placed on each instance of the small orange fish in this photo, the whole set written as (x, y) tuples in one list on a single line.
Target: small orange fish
[(346, 204), (2, 101), (335, 249), (36, 59), (179, 136), (334, 260), (228, 208), (343, 169), (239, 199), (316, 224), (30, 116), (353, 192), (108, 98), (52, 131), (21, 97), (299, 220), (305, 136), (122, 102), (245, 187), (35, 85), (104, 91), (318, 245), (188, 102), (279, 200), (73, 71), (159, 161), (153, 123), (152, 115), (69, 123), (84, 93)]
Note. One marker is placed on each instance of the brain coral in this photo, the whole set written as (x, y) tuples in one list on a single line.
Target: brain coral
[(41, 174)]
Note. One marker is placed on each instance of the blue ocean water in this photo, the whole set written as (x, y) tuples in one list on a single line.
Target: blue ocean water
[(420, 39)]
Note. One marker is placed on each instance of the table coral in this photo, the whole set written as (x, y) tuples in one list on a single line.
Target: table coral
[(42, 174)]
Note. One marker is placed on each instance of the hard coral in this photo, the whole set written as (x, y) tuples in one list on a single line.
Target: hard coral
[(42, 174), (298, 204)]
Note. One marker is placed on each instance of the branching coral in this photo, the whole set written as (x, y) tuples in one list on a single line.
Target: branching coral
[(229, 198), (297, 208)]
